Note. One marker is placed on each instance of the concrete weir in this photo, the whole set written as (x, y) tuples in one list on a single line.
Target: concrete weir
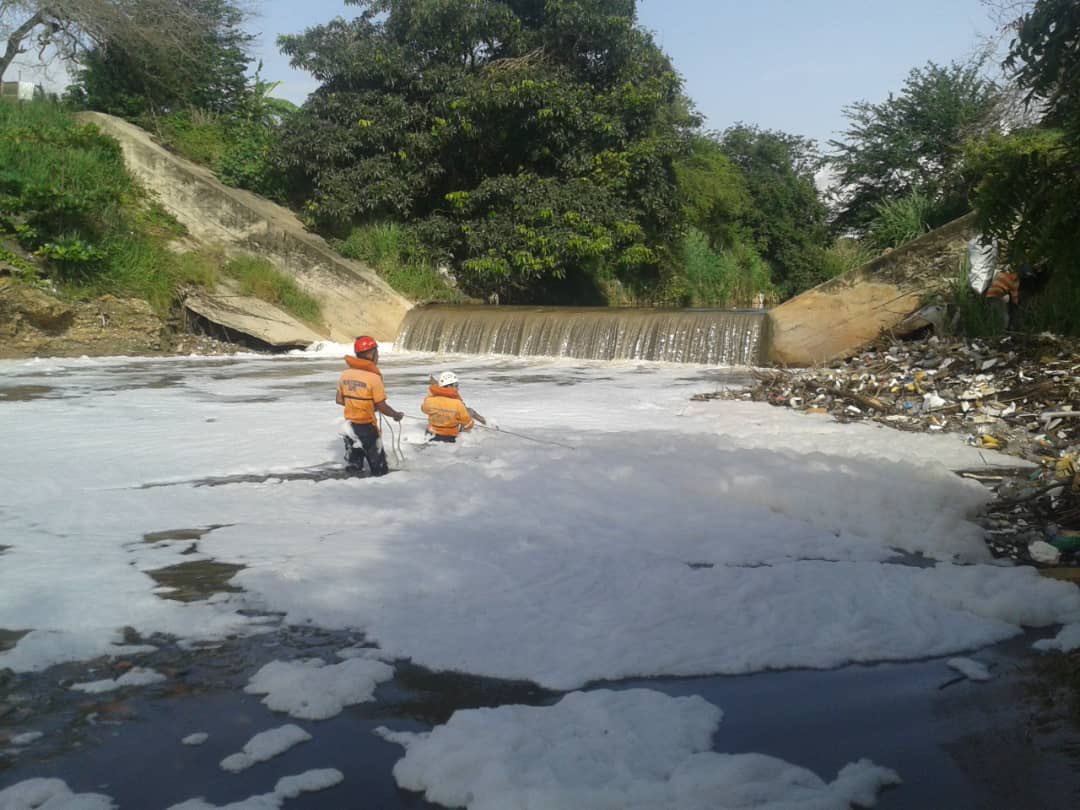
[(712, 336), (354, 300)]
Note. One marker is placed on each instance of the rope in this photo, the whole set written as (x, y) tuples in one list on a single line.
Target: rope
[(506, 432), (395, 440)]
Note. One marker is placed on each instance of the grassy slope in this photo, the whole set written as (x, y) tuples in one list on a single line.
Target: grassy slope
[(73, 218)]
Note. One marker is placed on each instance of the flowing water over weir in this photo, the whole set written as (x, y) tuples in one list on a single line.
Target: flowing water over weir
[(710, 336)]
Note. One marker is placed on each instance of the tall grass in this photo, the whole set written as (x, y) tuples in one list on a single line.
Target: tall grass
[(897, 222), (198, 135), (399, 259), (728, 278), (66, 195), (973, 315), (260, 279), (845, 255)]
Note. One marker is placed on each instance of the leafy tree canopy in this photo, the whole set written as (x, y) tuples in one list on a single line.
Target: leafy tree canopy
[(1030, 181), (716, 200), (530, 142), (786, 219), (1046, 58), (131, 76), (912, 143)]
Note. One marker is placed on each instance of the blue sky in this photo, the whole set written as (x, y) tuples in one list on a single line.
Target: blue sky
[(782, 64)]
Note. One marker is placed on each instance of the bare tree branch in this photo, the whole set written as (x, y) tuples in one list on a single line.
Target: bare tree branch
[(15, 40)]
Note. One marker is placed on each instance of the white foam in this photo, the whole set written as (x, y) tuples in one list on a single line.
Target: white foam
[(312, 690), (678, 538), (265, 745), (198, 738), (606, 750), (136, 676), (972, 670), (50, 794), (1067, 640), (288, 787), (27, 738)]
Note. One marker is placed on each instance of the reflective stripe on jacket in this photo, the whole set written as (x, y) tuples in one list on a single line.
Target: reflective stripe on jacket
[(447, 414), (360, 389), (1006, 284)]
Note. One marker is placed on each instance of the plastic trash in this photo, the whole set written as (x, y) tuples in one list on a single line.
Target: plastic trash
[(1067, 542), (1043, 552)]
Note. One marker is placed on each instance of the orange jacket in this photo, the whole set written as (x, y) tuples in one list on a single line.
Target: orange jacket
[(447, 414), (1006, 284), (360, 389)]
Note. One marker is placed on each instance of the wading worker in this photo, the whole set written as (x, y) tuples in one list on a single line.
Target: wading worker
[(446, 413), (360, 390)]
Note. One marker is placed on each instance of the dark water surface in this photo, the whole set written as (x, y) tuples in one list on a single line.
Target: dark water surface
[(957, 744)]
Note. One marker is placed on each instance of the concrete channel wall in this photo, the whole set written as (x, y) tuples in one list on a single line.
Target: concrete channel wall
[(353, 298)]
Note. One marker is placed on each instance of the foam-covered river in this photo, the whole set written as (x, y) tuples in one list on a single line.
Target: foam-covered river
[(703, 603)]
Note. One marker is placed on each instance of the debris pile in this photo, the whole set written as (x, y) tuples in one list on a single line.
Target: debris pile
[(1020, 396)]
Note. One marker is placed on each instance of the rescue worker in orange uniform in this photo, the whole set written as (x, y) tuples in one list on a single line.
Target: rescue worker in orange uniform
[(1004, 295), (360, 390), (446, 413)]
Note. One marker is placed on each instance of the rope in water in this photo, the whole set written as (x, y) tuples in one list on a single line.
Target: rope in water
[(506, 432)]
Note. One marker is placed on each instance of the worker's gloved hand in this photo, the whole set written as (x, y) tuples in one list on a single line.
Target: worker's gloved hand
[(399, 416)]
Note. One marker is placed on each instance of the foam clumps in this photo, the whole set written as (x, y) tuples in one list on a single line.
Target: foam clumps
[(288, 787), (264, 746), (310, 689), (612, 750), (51, 794)]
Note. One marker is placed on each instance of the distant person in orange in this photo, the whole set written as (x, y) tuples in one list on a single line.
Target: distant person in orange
[(1004, 295), (360, 390), (446, 413)]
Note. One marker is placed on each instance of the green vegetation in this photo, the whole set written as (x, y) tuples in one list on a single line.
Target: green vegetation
[(401, 260), (972, 313), (192, 55), (530, 145), (260, 279), (899, 220), (66, 199), (910, 145), (1029, 180), (730, 277), (543, 152)]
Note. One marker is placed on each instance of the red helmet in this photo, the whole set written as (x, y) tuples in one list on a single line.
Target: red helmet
[(364, 343)]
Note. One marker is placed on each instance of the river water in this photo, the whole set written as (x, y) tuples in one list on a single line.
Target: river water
[(781, 567)]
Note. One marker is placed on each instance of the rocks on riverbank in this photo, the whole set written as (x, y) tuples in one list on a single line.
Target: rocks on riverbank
[(35, 323), (1018, 395)]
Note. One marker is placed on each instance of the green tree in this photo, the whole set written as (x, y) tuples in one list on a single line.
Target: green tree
[(714, 193), (133, 77), (911, 144), (786, 220), (1029, 182), (530, 143)]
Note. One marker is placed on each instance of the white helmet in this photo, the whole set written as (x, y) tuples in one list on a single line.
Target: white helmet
[(447, 378)]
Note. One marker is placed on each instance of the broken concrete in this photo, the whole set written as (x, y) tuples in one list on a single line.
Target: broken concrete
[(240, 315), (835, 319), (354, 300)]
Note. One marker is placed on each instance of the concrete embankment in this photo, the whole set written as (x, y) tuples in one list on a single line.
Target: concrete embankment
[(837, 318), (354, 300)]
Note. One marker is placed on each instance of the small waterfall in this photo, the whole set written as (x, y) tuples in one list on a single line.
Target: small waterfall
[(713, 337)]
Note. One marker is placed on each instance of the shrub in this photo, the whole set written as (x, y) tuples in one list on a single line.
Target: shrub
[(397, 256), (898, 221), (728, 278)]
